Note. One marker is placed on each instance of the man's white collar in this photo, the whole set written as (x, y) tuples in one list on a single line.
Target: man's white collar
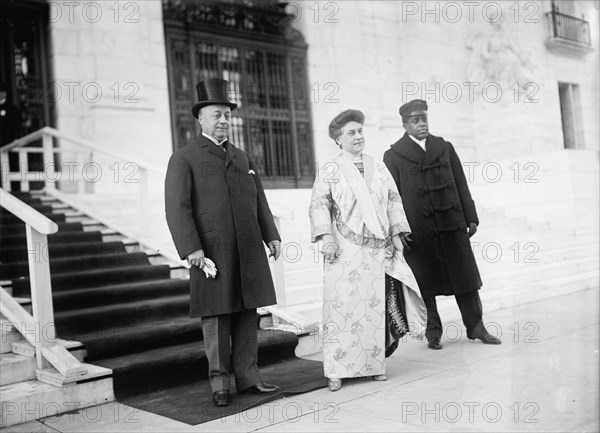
[(214, 140), (419, 142)]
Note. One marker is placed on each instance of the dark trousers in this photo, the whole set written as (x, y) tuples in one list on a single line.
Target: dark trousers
[(231, 344), (470, 310)]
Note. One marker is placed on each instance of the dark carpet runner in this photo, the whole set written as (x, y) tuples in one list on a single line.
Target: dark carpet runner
[(132, 317)]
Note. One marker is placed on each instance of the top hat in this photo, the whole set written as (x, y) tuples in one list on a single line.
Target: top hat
[(214, 91), (416, 107)]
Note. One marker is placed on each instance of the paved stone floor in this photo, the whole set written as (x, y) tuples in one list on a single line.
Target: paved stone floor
[(544, 377)]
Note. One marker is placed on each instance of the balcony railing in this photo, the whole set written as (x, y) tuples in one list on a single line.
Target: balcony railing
[(569, 28)]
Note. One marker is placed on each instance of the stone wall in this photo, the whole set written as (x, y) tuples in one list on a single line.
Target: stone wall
[(110, 73), (377, 55), (361, 54)]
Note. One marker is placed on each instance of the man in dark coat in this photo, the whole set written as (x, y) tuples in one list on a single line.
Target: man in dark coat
[(442, 217), (217, 212)]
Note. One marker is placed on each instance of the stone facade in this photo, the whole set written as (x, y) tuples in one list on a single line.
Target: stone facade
[(453, 54), (471, 67), (109, 65)]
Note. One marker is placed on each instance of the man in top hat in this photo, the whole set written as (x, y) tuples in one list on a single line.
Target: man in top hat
[(218, 213), (442, 217)]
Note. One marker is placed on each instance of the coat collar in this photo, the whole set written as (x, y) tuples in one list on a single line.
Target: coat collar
[(407, 148), (435, 147), (207, 144)]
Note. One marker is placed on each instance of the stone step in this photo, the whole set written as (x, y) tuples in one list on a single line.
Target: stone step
[(304, 254), (507, 297), (16, 368), (299, 228), (8, 335), (490, 258), (540, 286), (493, 274), (556, 251), (531, 273), (305, 293), (530, 256), (310, 312), (31, 400), (309, 343), (19, 365)]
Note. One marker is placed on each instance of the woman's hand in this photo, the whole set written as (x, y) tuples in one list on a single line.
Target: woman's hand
[(330, 249)]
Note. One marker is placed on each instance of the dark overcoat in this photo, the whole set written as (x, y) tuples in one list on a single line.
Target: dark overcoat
[(439, 207), (215, 201)]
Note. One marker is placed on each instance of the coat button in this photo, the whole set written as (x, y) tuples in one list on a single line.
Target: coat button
[(415, 169), (421, 190), (431, 232), (427, 211)]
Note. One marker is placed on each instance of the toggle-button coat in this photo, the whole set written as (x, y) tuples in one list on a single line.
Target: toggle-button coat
[(439, 208), (214, 201)]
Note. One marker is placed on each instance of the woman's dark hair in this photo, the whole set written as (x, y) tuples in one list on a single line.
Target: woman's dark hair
[(338, 122)]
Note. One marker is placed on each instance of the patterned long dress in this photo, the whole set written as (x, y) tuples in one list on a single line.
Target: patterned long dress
[(362, 213)]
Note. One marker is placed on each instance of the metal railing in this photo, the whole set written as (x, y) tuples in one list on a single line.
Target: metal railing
[(570, 28)]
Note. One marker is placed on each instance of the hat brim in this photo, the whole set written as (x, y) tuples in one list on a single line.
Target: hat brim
[(414, 113), (196, 108)]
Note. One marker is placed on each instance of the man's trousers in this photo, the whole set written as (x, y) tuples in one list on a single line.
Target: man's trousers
[(470, 310), (231, 344)]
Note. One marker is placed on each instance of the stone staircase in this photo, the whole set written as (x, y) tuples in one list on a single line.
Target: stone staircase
[(529, 245), (518, 261), (27, 394)]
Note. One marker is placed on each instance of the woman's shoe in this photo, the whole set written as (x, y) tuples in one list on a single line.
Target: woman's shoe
[(334, 384), (379, 377)]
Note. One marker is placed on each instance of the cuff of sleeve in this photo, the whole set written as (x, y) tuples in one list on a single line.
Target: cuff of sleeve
[(397, 229), (319, 231)]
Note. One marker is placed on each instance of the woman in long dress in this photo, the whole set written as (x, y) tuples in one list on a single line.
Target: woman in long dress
[(357, 214)]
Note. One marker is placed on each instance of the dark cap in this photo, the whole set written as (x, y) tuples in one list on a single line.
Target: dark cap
[(341, 119), (214, 91), (416, 107)]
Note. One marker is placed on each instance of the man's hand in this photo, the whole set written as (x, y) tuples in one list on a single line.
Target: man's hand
[(330, 249), (275, 248), (397, 243), (196, 258), (406, 239), (472, 229)]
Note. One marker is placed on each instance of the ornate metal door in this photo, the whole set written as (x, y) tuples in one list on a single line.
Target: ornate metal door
[(264, 59)]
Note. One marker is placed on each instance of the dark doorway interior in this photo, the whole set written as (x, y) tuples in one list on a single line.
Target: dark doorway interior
[(24, 74)]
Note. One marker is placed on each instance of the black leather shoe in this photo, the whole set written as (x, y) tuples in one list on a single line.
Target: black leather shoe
[(434, 344), (260, 388), (489, 339), (480, 333), (221, 397)]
